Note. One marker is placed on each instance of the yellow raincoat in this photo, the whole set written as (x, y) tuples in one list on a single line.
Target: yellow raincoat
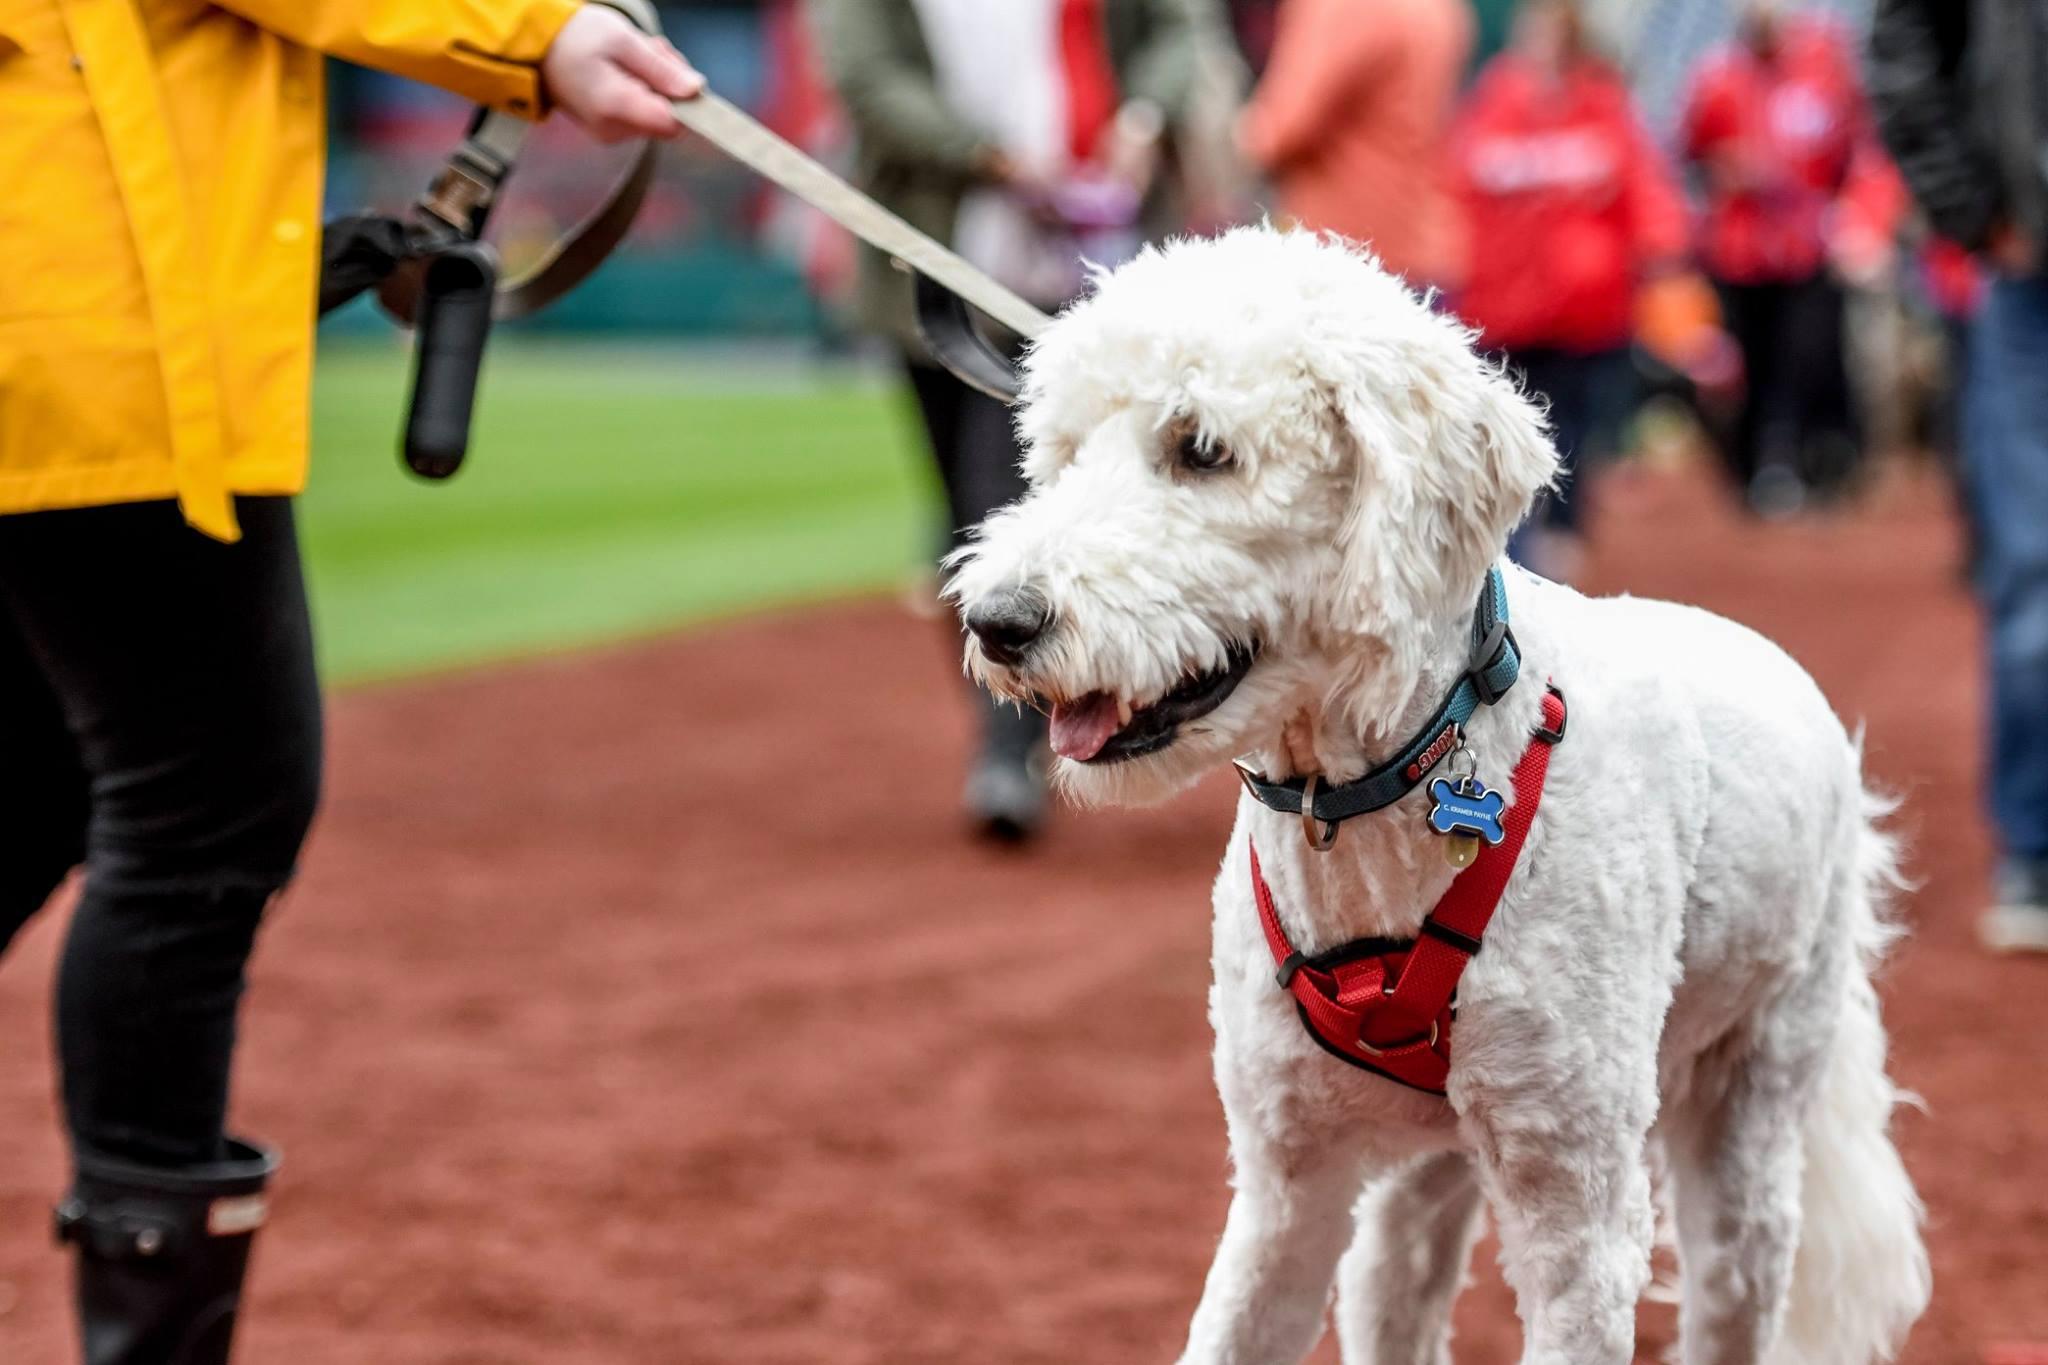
[(160, 169)]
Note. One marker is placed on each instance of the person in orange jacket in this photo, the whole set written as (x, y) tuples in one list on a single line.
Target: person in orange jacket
[(159, 711), (1569, 207), (1349, 119)]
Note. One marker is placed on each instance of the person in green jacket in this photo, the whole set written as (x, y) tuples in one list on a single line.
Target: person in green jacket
[(1026, 135)]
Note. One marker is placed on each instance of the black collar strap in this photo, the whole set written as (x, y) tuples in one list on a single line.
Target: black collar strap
[(1489, 672)]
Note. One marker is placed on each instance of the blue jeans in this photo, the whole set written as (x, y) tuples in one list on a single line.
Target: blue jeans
[(2005, 453)]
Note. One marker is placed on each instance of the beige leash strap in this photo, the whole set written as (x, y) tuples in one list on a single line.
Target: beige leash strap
[(730, 130)]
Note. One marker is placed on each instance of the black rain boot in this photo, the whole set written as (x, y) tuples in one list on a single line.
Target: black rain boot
[(1005, 795), (162, 1252)]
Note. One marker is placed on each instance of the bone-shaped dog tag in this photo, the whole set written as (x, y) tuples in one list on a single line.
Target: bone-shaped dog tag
[(1465, 813)]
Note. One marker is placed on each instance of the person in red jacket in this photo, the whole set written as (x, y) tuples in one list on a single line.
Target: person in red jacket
[(1568, 207), (1777, 126)]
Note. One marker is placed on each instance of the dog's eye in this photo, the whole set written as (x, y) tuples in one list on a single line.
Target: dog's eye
[(1191, 450)]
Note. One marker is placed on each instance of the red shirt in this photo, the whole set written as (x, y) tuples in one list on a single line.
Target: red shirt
[(1565, 200), (1778, 139)]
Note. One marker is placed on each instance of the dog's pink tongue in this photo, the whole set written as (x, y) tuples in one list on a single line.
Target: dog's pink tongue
[(1081, 728)]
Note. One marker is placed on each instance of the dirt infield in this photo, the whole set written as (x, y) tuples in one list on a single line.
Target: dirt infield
[(645, 1006)]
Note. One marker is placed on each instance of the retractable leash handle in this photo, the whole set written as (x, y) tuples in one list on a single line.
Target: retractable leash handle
[(451, 292), (432, 271), (446, 290), (454, 323)]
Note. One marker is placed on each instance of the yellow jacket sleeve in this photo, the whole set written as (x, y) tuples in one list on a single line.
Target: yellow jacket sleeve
[(488, 51)]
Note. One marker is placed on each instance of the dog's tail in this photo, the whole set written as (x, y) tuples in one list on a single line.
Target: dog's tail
[(1861, 1278)]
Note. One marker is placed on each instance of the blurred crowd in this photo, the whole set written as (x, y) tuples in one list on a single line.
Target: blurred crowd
[(1685, 197)]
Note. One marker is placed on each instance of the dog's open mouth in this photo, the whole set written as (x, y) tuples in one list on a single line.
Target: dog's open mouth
[(1104, 728)]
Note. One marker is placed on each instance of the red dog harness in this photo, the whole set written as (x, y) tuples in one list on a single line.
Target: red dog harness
[(1385, 1004)]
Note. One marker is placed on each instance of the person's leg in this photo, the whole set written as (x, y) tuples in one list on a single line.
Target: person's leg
[(940, 398), (1828, 441), (1743, 312), (1547, 541), (2006, 462), (185, 671), (990, 472), (1614, 393), (1606, 393), (1947, 432), (974, 448), (1568, 380), (42, 788), (1776, 406), (1006, 790)]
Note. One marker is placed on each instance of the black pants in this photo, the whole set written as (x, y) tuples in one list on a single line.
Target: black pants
[(974, 445), (1798, 413), (1587, 397), (159, 722)]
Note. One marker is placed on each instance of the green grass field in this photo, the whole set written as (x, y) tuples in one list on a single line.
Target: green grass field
[(609, 493)]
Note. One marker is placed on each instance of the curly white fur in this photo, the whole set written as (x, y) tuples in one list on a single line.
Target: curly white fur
[(1681, 965)]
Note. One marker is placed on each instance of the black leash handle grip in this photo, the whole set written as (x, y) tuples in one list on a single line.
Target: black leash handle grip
[(457, 289)]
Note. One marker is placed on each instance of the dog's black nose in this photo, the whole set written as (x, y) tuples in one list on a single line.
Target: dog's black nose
[(1008, 623)]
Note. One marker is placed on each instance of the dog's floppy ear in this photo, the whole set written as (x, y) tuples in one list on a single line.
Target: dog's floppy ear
[(1449, 456)]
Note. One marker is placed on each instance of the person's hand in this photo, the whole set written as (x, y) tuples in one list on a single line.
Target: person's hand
[(2011, 252), (1862, 259), (1131, 151), (996, 166), (615, 81), (1033, 191), (1676, 313), (1244, 143)]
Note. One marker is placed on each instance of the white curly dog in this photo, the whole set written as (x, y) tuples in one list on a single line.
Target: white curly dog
[(1267, 486)]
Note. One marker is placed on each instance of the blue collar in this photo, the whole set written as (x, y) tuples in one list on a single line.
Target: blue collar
[(1490, 671)]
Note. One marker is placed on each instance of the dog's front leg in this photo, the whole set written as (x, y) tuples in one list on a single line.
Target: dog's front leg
[(1396, 1285), (1290, 1220), (1569, 1184)]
